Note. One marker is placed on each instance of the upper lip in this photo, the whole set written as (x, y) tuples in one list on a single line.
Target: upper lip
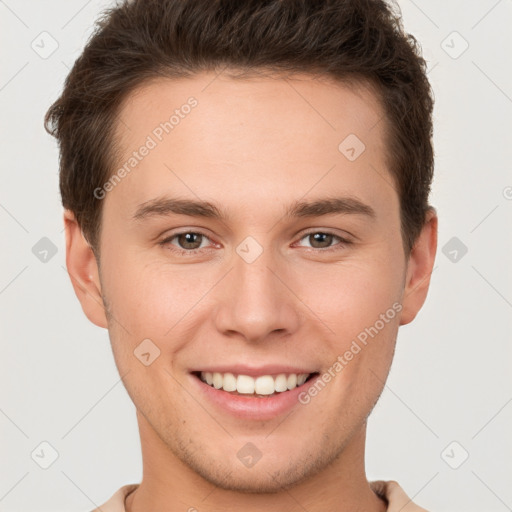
[(253, 371)]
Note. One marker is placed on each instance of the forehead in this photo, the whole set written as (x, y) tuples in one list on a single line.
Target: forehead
[(267, 103), (218, 137)]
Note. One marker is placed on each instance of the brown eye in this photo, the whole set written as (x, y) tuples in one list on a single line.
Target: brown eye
[(189, 240), (323, 240), (320, 240), (186, 242)]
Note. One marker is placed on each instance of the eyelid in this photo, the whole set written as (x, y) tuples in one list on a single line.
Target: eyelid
[(342, 239), (167, 239)]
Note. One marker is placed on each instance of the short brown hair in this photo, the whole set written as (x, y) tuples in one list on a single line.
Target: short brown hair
[(361, 40)]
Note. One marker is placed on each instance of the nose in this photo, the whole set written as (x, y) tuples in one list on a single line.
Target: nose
[(256, 302)]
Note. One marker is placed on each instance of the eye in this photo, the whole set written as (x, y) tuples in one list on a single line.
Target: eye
[(186, 241), (190, 242), (324, 240)]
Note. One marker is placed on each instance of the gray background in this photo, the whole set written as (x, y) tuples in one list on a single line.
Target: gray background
[(451, 377)]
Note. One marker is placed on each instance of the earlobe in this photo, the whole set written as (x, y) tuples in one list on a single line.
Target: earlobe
[(83, 271), (419, 269)]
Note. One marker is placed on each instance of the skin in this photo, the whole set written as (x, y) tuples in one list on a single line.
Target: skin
[(252, 147)]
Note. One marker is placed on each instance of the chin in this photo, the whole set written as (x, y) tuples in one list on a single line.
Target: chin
[(279, 471)]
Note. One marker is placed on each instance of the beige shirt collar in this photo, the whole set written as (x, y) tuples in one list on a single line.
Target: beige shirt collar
[(397, 500)]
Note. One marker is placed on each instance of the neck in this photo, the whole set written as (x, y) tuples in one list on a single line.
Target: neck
[(169, 484)]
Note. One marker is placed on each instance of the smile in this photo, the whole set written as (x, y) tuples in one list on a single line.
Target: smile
[(259, 386)]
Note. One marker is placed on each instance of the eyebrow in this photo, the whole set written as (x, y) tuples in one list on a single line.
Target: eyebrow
[(165, 206)]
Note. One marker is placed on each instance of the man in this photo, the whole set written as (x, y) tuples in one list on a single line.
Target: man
[(246, 189)]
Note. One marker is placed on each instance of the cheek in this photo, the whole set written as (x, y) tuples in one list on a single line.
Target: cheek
[(359, 301), (351, 295), (154, 300)]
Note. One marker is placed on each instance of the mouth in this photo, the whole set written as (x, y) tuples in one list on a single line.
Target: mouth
[(257, 386), (256, 393)]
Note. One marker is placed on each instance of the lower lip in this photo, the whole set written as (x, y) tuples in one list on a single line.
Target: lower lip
[(253, 407)]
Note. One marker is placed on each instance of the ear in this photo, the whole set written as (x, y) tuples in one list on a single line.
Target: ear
[(419, 269), (83, 271)]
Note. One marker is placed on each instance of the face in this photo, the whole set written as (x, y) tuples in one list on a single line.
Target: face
[(252, 245)]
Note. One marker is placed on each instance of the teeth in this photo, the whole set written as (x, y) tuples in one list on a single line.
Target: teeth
[(291, 381), (301, 379), (244, 384), (229, 382), (262, 385), (280, 383), (217, 380)]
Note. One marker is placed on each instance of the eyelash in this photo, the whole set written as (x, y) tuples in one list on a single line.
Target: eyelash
[(191, 252)]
